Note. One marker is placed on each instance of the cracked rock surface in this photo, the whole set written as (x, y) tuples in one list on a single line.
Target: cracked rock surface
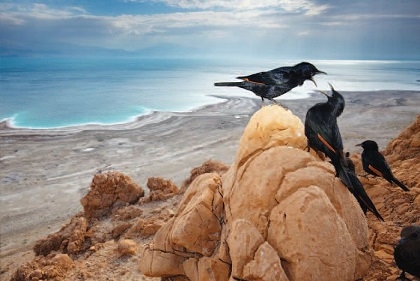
[(278, 213)]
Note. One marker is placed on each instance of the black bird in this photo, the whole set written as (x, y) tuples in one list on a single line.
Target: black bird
[(322, 130), (358, 191), (375, 164), (350, 163), (323, 135), (407, 251), (276, 82)]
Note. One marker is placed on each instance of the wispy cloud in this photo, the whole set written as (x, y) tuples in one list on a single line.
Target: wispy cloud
[(16, 13), (303, 33), (306, 7), (143, 24)]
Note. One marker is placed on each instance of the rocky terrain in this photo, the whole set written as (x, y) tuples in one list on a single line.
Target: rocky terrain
[(277, 213)]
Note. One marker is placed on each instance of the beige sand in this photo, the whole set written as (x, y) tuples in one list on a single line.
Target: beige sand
[(44, 173)]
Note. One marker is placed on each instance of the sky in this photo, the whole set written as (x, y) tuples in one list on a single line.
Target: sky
[(319, 29)]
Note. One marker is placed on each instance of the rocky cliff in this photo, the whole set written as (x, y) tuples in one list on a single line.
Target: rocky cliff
[(277, 213)]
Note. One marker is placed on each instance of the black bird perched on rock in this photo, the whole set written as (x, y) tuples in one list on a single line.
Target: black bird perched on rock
[(276, 82), (322, 130), (407, 251), (358, 191), (323, 135), (375, 164)]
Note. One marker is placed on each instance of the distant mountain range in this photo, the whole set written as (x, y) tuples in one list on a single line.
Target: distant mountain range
[(172, 50)]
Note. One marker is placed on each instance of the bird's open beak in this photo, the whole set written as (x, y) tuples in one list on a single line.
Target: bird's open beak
[(313, 80), (317, 72), (324, 93)]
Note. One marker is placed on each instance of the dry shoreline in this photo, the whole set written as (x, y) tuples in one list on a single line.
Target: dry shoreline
[(44, 173)]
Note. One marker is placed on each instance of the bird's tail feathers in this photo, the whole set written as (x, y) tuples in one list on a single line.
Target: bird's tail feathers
[(400, 184), (228, 84), (371, 207), (363, 198), (340, 171), (354, 185)]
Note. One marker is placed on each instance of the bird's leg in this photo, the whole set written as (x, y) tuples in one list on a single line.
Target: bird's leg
[(365, 176), (279, 104), (320, 155), (262, 102)]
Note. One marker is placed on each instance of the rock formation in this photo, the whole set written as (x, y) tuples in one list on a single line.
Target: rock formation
[(107, 192), (278, 213), (399, 208)]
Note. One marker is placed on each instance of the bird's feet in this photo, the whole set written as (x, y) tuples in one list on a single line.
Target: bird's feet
[(279, 104), (365, 176), (402, 277), (321, 155), (285, 107)]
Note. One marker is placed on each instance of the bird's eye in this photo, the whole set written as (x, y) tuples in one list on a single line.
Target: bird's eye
[(415, 235)]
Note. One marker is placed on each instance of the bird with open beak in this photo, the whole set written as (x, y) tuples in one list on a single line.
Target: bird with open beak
[(276, 82)]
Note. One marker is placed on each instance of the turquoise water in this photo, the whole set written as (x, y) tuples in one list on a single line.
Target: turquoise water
[(60, 92)]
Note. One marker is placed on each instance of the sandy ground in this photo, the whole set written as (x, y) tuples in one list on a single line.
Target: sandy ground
[(44, 173)]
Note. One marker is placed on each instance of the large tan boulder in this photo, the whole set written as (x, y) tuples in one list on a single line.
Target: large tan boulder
[(278, 213), (193, 231)]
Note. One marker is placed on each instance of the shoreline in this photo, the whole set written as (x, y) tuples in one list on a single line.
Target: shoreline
[(46, 172), (152, 116)]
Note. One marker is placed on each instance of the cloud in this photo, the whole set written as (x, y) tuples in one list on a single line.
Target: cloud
[(305, 7), (303, 33), (16, 13), (20, 15), (277, 25), (71, 22)]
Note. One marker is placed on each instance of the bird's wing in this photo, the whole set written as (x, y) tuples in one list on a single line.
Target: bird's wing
[(329, 135), (273, 77), (321, 126), (336, 139), (377, 164), (361, 195), (410, 253)]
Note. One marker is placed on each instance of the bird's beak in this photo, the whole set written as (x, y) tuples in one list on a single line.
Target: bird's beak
[(317, 72), (313, 80), (359, 144), (324, 93)]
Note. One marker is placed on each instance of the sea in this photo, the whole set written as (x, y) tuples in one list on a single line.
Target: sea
[(44, 93)]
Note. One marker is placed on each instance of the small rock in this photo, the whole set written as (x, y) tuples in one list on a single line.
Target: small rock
[(127, 247)]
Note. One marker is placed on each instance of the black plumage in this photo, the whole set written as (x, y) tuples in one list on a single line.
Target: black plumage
[(375, 164), (276, 82), (358, 190), (407, 251), (322, 132)]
